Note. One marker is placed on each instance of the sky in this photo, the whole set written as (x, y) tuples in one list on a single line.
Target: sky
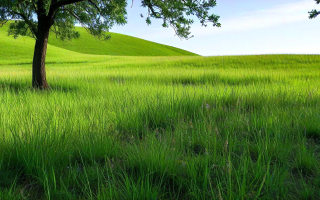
[(249, 27)]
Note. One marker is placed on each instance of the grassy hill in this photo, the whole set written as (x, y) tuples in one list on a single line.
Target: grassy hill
[(121, 45), (21, 50)]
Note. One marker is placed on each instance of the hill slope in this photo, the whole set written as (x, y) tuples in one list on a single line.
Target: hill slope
[(121, 45), (21, 50)]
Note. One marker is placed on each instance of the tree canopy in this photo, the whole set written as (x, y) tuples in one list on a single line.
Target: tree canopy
[(314, 13), (98, 16)]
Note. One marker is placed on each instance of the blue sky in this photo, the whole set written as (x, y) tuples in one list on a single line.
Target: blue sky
[(248, 27)]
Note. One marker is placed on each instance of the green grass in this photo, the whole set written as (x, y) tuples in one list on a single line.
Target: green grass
[(118, 45), (119, 127)]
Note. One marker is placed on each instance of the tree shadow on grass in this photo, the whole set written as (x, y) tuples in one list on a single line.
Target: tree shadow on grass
[(47, 63), (18, 64), (15, 87), (214, 79)]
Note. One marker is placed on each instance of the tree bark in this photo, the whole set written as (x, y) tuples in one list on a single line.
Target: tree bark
[(39, 80)]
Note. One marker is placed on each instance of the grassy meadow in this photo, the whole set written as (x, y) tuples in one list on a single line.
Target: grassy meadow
[(135, 127)]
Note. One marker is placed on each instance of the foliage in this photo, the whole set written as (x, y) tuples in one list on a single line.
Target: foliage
[(314, 13), (98, 16), (173, 13)]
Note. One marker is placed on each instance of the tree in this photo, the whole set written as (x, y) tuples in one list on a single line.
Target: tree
[(314, 13), (38, 17)]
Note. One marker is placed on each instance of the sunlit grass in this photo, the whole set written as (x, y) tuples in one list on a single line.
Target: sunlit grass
[(161, 127)]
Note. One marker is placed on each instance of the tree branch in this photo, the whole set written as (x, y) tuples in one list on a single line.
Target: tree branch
[(58, 4), (78, 18), (95, 5), (28, 22), (2, 23)]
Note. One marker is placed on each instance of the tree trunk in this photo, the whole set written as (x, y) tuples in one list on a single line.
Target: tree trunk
[(39, 79)]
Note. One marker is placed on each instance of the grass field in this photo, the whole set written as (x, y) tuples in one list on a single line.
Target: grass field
[(117, 127)]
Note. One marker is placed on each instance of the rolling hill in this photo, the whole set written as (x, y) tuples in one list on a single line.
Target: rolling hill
[(120, 45)]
